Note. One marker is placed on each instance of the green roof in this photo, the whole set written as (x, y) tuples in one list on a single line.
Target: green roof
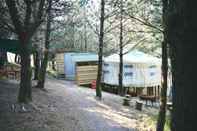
[(10, 45)]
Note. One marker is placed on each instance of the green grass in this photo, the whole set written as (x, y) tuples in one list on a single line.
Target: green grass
[(2, 78), (152, 120), (52, 73)]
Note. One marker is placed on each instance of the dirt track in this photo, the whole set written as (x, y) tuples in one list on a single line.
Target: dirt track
[(65, 107)]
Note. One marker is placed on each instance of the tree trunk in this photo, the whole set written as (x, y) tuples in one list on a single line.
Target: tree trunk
[(85, 31), (120, 91), (3, 58), (162, 112), (25, 83), (44, 63), (53, 64), (182, 39), (100, 62), (42, 71), (36, 65), (25, 27)]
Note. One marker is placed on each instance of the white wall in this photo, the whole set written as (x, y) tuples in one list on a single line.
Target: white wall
[(11, 57), (138, 75)]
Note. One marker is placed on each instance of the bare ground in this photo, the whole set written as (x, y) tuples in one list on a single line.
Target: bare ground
[(63, 106)]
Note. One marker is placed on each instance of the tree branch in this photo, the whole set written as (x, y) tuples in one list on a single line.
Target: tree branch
[(145, 22), (28, 14), (14, 14), (95, 30), (8, 27), (133, 47), (38, 19)]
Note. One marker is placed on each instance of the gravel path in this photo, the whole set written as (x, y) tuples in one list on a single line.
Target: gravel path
[(65, 107)]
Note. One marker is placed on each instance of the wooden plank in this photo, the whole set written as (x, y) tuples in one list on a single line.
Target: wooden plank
[(59, 57), (60, 63), (87, 71), (87, 79), (86, 74), (87, 67)]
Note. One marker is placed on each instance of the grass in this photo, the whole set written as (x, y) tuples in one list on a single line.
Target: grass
[(2, 78), (152, 121), (52, 73)]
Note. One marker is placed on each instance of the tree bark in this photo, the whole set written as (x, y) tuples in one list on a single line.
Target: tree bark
[(3, 58), (36, 65), (53, 64), (120, 90), (100, 53), (182, 40), (42, 73), (162, 112), (85, 31), (25, 94), (25, 29)]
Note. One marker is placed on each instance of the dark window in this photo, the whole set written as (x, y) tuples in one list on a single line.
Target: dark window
[(152, 66), (152, 73), (128, 74), (105, 72), (128, 66), (105, 64)]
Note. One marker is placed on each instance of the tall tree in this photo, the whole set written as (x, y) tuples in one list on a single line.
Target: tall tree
[(56, 8), (25, 22), (83, 4), (162, 112), (182, 32), (121, 50), (100, 53), (42, 73)]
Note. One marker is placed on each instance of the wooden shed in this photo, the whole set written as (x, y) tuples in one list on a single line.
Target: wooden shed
[(81, 67), (86, 72), (60, 63)]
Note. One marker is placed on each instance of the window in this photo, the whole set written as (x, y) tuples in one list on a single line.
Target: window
[(105, 72), (128, 74), (152, 73), (128, 66), (152, 66), (105, 64)]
